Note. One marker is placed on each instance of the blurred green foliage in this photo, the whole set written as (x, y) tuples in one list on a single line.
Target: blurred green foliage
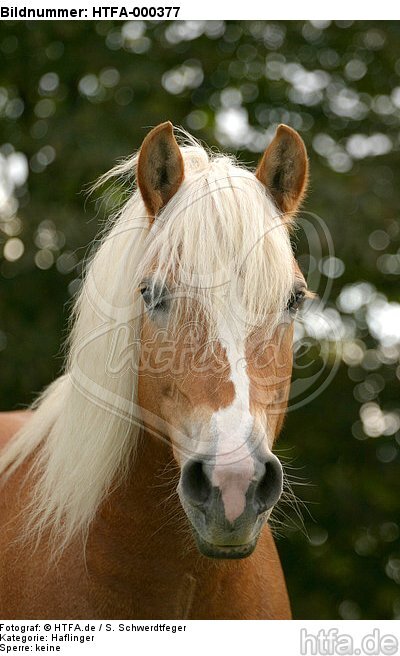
[(75, 97)]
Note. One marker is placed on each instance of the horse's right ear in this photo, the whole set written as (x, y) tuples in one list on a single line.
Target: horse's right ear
[(160, 168)]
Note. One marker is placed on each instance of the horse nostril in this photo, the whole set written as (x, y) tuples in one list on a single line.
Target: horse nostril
[(195, 484), (269, 488)]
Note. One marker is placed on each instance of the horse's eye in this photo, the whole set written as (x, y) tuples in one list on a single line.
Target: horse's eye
[(296, 300), (154, 298)]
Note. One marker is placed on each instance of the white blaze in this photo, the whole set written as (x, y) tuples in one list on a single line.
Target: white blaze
[(234, 465)]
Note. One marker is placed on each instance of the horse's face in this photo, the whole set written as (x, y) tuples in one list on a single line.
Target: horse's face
[(220, 392)]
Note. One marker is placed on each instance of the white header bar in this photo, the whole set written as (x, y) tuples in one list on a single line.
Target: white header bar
[(190, 10)]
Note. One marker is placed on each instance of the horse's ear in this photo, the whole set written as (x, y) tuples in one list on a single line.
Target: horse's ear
[(283, 169), (160, 168)]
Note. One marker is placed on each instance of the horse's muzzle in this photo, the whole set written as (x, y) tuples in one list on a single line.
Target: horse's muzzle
[(227, 518)]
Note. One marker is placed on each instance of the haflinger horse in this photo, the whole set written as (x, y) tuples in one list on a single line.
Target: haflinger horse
[(140, 484)]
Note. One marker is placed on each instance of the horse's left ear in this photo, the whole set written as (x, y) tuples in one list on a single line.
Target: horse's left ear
[(160, 168), (283, 169)]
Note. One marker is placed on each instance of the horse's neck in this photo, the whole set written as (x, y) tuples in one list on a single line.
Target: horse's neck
[(140, 557), (142, 518)]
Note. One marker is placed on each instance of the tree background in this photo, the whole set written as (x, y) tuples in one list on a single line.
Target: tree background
[(77, 96)]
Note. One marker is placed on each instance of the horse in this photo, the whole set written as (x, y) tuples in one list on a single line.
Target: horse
[(141, 482)]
